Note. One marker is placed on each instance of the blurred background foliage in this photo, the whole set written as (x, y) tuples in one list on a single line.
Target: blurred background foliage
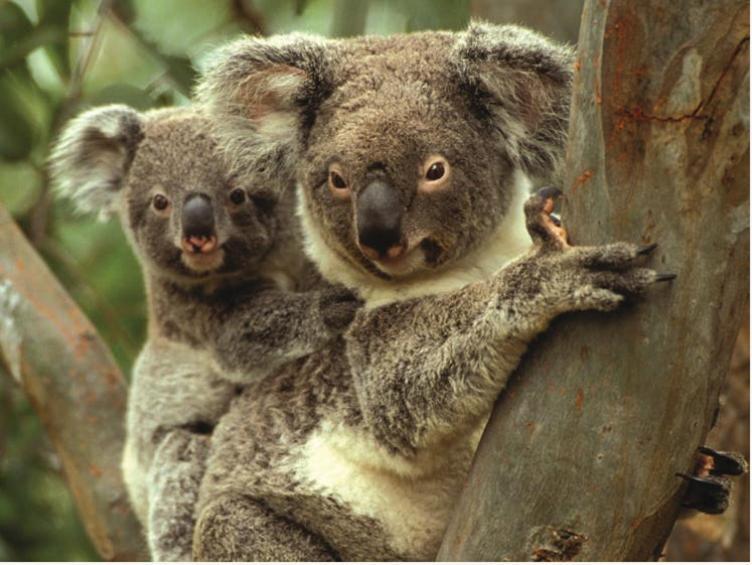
[(58, 57)]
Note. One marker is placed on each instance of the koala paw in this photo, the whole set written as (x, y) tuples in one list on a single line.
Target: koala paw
[(338, 306), (709, 486), (542, 224), (587, 277), (183, 445)]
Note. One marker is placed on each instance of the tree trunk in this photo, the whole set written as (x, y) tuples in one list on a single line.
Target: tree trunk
[(68, 374), (579, 459)]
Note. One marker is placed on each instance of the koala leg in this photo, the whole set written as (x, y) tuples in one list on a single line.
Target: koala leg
[(174, 481), (237, 528)]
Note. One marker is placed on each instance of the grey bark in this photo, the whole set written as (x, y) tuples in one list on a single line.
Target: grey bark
[(49, 347), (580, 457)]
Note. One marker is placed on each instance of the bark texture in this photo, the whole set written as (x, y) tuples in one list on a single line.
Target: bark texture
[(723, 537), (68, 374), (580, 457)]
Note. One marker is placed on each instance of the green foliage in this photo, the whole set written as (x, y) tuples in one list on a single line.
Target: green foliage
[(58, 57)]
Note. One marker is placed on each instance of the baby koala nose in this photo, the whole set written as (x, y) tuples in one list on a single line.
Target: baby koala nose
[(198, 225)]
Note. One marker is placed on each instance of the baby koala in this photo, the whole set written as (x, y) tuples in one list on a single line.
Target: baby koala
[(225, 276)]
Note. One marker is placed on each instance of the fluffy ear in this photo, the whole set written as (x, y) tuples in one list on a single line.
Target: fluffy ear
[(92, 156), (263, 95), (521, 82)]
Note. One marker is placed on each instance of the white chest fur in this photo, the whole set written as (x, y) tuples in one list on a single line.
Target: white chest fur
[(410, 499)]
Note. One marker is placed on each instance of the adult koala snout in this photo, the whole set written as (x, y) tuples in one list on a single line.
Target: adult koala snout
[(199, 233), (379, 221)]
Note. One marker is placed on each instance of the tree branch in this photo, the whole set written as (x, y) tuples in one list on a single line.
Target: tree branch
[(72, 382)]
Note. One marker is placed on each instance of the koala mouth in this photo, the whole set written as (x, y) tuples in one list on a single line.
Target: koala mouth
[(199, 244), (408, 261), (201, 253)]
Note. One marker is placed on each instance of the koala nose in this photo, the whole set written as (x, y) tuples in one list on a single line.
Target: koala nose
[(198, 216), (379, 217)]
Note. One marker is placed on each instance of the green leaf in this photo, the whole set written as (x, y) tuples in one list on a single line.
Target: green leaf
[(13, 24), (434, 14), (54, 15), (16, 127), (121, 93), (349, 18)]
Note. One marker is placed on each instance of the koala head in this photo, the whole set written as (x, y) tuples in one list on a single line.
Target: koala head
[(187, 217), (407, 148)]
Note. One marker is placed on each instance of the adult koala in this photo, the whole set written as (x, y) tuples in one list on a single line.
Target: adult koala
[(413, 155)]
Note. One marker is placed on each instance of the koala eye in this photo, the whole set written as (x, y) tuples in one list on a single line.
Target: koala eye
[(237, 196), (435, 172), (337, 183), (160, 202)]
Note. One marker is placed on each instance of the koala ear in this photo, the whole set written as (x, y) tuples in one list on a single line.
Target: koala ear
[(93, 154), (521, 82), (263, 95)]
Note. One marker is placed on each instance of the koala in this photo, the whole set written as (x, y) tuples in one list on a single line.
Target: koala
[(215, 247), (413, 157)]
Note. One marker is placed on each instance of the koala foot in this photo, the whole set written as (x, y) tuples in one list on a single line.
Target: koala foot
[(237, 528), (709, 486), (583, 277)]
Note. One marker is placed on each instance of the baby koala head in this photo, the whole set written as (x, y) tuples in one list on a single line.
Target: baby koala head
[(186, 215)]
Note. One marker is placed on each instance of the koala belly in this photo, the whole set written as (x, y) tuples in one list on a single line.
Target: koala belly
[(407, 503), (315, 463)]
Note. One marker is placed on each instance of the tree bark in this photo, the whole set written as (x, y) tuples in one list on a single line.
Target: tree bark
[(68, 374), (579, 459)]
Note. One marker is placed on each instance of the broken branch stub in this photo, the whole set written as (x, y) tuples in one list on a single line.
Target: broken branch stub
[(580, 457), (78, 392)]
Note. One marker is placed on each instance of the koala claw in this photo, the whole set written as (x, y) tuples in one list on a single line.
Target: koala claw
[(550, 193), (706, 494), (662, 277), (647, 249), (725, 462), (709, 488)]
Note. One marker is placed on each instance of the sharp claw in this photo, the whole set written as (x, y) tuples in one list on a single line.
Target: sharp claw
[(555, 219), (724, 462), (661, 277), (549, 192), (647, 249)]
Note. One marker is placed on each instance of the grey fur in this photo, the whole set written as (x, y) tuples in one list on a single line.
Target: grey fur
[(115, 159), (92, 155)]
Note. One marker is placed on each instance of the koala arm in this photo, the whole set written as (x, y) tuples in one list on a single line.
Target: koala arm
[(269, 327), (426, 368)]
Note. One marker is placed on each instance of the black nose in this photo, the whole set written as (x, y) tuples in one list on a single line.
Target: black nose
[(198, 216), (379, 215)]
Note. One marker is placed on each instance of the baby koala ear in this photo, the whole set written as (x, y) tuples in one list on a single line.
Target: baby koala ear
[(521, 82), (92, 155)]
